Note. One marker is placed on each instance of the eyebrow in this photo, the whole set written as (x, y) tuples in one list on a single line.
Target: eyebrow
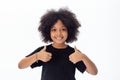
[(61, 26)]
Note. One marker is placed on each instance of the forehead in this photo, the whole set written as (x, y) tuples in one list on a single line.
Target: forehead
[(59, 24)]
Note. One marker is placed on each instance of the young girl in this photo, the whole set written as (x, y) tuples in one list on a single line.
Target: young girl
[(59, 60)]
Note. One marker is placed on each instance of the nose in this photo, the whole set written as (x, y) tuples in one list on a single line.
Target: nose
[(58, 32)]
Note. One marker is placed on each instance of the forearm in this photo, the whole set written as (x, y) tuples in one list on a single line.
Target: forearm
[(24, 63), (90, 66)]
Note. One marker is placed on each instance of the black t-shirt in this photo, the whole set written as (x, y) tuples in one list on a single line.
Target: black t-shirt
[(59, 67)]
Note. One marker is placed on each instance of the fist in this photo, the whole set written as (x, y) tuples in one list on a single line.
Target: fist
[(76, 56), (43, 55)]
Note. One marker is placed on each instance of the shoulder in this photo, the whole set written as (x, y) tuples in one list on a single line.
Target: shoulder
[(37, 50), (70, 49)]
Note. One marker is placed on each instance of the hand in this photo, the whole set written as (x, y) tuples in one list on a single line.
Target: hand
[(43, 55), (76, 56)]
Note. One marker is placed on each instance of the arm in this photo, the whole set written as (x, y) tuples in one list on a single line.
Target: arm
[(41, 55), (27, 61), (90, 66), (78, 56)]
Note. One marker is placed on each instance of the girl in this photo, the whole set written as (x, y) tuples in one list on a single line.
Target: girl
[(59, 60)]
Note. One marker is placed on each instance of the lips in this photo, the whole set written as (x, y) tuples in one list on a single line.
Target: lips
[(59, 38)]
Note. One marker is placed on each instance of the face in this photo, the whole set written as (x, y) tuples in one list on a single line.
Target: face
[(59, 33)]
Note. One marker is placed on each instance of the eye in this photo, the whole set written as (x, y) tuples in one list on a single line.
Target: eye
[(64, 29), (53, 29)]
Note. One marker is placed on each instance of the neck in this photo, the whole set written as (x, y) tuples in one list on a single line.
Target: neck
[(59, 45)]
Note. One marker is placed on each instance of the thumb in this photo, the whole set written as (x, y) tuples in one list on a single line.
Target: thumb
[(44, 49), (75, 48)]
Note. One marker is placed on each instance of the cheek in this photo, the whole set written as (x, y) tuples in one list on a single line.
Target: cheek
[(66, 34), (51, 34)]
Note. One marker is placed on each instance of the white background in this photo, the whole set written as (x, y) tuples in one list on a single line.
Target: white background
[(99, 38)]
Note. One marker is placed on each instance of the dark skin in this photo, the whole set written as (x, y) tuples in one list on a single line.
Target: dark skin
[(59, 35)]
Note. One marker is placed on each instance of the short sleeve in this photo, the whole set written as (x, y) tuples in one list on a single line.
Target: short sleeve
[(36, 50), (37, 63), (80, 66)]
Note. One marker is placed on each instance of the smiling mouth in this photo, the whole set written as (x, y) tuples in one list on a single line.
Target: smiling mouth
[(59, 38)]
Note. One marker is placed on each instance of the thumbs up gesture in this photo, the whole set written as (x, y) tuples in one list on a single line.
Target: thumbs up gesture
[(43, 55), (76, 56)]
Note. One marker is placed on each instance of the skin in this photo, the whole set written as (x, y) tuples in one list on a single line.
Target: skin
[(59, 34)]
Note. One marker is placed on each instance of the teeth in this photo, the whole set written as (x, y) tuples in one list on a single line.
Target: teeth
[(59, 38)]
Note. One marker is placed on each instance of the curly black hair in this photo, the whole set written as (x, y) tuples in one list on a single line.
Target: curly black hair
[(68, 19)]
